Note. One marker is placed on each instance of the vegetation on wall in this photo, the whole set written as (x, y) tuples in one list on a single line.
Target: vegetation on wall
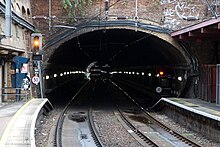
[(76, 7)]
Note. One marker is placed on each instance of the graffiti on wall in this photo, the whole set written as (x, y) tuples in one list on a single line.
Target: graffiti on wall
[(176, 10)]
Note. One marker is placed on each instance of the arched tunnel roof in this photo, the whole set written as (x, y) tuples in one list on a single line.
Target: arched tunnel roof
[(117, 47)]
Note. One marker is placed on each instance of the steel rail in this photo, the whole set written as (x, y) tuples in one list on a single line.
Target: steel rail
[(93, 129), (157, 122), (133, 128), (136, 130), (58, 131)]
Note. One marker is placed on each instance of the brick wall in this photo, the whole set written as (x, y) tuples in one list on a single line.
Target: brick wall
[(172, 14)]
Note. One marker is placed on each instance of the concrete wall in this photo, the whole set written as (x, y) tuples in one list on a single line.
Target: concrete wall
[(208, 127)]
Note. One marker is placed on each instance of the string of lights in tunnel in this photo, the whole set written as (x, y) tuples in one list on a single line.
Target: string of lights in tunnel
[(149, 74)]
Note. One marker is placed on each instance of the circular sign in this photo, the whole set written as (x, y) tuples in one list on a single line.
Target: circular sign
[(35, 80), (158, 89)]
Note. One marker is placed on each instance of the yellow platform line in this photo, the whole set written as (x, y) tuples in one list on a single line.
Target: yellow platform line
[(11, 123)]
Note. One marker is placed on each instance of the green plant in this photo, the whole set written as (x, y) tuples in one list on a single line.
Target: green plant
[(76, 7)]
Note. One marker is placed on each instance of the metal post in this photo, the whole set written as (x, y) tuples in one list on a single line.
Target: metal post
[(40, 76), (136, 9), (136, 14), (106, 8), (8, 18), (218, 84), (49, 14)]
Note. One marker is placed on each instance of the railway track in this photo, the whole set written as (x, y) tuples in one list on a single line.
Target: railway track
[(149, 117), (59, 127), (101, 114)]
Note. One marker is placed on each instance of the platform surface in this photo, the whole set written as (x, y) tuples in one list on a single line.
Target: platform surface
[(19, 129), (198, 106), (7, 111)]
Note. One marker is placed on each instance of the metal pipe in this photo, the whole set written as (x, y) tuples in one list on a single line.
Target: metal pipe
[(8, 16)]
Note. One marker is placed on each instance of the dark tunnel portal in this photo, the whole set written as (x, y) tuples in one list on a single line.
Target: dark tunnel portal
[(118, 48)]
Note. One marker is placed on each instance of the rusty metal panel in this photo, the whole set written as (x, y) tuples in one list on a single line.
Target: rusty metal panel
[(207, 82), (218, 84)]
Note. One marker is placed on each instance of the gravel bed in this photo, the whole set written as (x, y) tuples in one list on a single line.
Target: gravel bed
[(45, 128), (112, 133), (186, 132)]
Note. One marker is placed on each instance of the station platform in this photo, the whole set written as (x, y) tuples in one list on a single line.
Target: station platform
[(17, 122), (198, 106), (195, 114)]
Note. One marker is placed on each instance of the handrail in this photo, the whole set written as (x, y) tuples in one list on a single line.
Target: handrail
[(13, 93)]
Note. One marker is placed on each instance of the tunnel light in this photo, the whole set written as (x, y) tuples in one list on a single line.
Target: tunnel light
[(142, 73), (68, 73), (149, 74), (157, 75), (180, 78), (133, 73), (64, 73), (47, 77), (61, 74), (55, 75), (137, 73), (120, 72)]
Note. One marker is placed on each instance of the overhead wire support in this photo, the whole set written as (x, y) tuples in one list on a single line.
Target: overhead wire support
[(136, 14), (211, 9), (106, 8)]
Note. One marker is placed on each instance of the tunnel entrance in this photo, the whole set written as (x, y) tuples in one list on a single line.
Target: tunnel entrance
[(126, 50), (118, 48)]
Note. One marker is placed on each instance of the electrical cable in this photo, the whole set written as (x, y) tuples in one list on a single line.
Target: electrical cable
[(127, 45)]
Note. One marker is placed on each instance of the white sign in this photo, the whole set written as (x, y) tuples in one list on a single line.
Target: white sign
[(35, 80), (158, 89), (24, 68), (26, 83)]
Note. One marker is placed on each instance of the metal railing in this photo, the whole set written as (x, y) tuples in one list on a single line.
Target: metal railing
[(14, 94)]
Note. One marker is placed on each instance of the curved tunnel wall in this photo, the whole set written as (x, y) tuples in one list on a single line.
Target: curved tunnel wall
[(121, 46)]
